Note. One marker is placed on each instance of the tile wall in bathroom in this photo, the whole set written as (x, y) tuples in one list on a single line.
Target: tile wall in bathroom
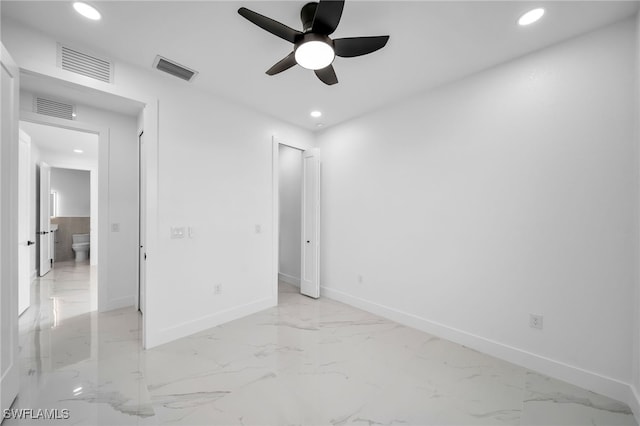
[(67, 226)]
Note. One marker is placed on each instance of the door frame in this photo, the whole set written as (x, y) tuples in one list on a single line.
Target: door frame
[(9, 379), (275, 153), (44, 215), (142, 224), (103, 190)]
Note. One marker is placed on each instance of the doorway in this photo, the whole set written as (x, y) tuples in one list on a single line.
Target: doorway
[(297, 218), (290, 215), (71, 215), (63, 204)]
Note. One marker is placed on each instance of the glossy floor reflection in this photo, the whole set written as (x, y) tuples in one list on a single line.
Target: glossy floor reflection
[(306, 362)]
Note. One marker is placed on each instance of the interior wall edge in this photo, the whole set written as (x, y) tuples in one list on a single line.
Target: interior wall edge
[(577, 376)]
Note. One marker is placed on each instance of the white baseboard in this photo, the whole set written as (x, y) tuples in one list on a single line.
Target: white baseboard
[(595, 382), (208, 321), (289, 279), (122, 302)]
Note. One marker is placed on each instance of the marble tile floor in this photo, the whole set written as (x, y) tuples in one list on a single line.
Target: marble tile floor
[(305, 362)]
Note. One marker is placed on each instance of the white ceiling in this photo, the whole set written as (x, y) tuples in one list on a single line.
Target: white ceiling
[(432, 42), (57, 144)]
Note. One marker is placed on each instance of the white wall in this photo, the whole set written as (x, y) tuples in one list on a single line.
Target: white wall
[(290, 194), (213, 173), (73, 192), (123, 201), (511, 192)]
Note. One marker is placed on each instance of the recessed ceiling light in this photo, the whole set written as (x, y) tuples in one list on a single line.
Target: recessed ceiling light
[(316, 114), (87, 11), (531, 16), (78, 151)]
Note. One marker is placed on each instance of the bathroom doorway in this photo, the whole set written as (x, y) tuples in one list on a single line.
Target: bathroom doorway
[(63, 203), (70, 193)]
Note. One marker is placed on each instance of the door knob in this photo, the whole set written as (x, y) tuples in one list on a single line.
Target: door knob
[(308, 241), (30, 243)]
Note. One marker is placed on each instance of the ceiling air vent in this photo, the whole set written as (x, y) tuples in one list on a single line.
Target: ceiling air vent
[(84, 64), (54, 108), (173, 68)]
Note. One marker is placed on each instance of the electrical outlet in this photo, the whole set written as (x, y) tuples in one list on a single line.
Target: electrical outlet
[(177, 232), (535, 321), (217, 289)]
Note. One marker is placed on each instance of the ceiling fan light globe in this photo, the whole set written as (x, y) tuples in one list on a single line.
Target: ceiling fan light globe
[(314, 55)]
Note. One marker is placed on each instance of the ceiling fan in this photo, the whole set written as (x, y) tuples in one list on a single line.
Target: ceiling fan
[(312, 47)]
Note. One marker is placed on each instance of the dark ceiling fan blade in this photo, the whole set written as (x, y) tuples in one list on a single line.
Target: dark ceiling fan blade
[(358, 46), (268, 24), (283, 65), (327, 75), (327, 16)]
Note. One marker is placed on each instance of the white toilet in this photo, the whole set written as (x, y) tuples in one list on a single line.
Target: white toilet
[(81, 246)]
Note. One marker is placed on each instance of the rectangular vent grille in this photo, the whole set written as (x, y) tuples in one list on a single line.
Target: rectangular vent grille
[(85, 64), (54, 108), (173, 68)]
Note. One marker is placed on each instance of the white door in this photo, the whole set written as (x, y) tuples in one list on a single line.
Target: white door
[(142, 222), (25, 244), (310, 268), (9, 96), (45, 219)]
